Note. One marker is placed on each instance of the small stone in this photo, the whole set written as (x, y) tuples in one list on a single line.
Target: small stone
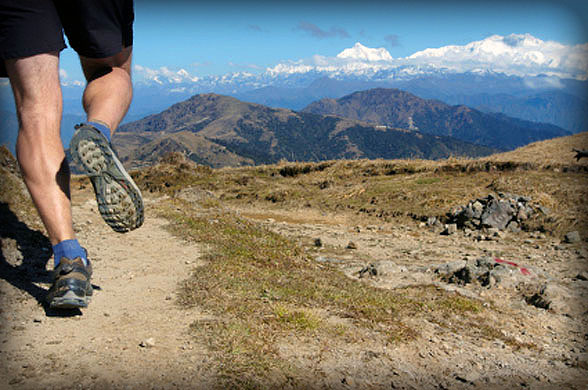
[(369, 270), (572, 237), (351, 245), (347, 381), (477, 208), (513, 227), (493, 231), (318, 242), (386, 267), (450, 229), (544, 210), (147, 343)]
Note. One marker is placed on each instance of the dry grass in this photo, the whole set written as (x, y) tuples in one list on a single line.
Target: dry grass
[(378, 191), (262, 288), (554, 152)]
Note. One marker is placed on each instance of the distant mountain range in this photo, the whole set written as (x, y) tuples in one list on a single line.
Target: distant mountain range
[(219, 130), (400, 109), (517, 75), (562, 102)]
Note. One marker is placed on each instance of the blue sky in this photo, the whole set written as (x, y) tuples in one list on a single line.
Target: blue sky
[(217, 37)]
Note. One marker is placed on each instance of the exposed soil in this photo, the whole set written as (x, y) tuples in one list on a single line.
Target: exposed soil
[(134, 335)]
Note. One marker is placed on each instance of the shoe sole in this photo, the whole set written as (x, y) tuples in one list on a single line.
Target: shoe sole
[(70, 300), (119, 200)]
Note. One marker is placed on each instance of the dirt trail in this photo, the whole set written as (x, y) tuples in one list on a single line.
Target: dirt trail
[(132, 334)]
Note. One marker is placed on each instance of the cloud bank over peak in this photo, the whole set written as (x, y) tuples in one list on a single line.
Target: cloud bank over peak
[(517, 54)]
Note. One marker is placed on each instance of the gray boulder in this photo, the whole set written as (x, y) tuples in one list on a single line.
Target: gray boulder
[(497, 214)]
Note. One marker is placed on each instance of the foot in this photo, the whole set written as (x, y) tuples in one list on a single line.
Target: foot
[(71, 287), (119, 200)]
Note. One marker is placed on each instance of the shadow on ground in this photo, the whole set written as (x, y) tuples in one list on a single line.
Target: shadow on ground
[(35, 251)]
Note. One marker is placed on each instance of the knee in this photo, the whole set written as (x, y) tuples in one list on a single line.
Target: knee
[(39, 121)]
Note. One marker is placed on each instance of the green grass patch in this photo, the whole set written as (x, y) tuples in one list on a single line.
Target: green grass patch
[(427, 180)]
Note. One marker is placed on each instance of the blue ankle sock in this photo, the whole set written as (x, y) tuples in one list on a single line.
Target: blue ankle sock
[(70, 249), (103, 129)]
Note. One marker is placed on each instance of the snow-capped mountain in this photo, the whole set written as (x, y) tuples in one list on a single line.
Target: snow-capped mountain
[(360, 52), (520, 55), (517, 65)]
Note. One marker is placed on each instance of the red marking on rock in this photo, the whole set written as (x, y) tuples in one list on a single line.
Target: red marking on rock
[(524, 271)]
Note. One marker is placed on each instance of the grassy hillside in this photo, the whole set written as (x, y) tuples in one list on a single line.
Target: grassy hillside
[(386, 190), (228, 132)]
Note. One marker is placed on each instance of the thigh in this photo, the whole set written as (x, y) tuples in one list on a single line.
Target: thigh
[(97, 28), (35, 84), (27, 28)]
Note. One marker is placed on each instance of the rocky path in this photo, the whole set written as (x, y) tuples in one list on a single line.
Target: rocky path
[(132, 335), (392, 256)]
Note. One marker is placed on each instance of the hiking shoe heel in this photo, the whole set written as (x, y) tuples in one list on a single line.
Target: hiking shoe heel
[(119, 200), (71, 285)]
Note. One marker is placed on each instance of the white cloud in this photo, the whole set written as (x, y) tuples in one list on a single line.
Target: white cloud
[(65, 80), (516, 54)]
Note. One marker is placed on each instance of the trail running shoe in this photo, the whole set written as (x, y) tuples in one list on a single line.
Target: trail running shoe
[(119, 200), (71, 287)]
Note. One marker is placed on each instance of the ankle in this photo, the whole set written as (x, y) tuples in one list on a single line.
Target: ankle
[(70, 249), (101, 126)]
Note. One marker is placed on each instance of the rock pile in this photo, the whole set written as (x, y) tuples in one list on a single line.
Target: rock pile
[(485, 271), (502, 212)]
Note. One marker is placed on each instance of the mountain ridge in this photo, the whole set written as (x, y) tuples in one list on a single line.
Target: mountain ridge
[(248, 133), (398, 108)]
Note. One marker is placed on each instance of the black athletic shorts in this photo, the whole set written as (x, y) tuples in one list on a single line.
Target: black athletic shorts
[(94, 28)]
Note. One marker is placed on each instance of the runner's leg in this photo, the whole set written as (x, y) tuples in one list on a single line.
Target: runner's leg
[(109, 91), (37, 93)]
